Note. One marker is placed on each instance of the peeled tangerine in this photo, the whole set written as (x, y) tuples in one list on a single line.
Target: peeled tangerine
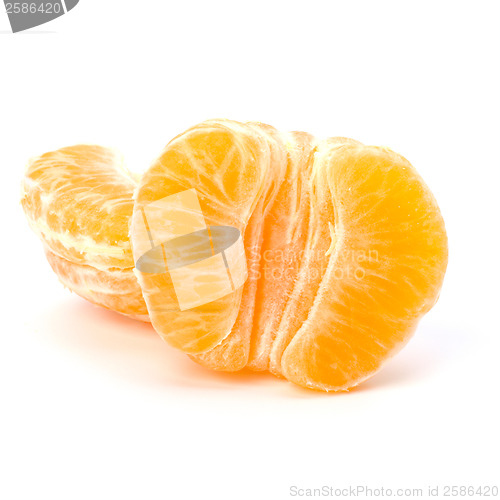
[(313, 259)]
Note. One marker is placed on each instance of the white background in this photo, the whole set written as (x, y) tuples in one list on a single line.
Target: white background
[(95, 406)]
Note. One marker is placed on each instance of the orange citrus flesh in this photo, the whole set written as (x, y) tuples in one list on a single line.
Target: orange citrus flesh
[(345, 246), (383, 272), (79, 202), (284, 240), (229, 166)]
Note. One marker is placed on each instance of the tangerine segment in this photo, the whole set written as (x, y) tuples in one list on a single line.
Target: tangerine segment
[(384, 271), (229, 165), (78, 200)]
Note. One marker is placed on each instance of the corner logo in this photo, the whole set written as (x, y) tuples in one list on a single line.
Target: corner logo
[(30, 13)]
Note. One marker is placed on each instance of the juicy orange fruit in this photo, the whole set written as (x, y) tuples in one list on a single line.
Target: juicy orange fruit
[(346, 248), (79, 202)]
